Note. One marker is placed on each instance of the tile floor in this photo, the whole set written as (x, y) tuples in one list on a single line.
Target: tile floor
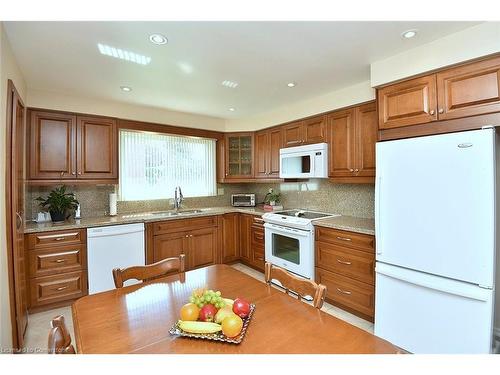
[(39, 324)]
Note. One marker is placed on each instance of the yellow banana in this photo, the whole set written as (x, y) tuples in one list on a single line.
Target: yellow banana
[(199, 327)]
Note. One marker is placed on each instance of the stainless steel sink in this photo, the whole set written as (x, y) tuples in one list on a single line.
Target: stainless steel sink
[(165, 213), (190, 212)]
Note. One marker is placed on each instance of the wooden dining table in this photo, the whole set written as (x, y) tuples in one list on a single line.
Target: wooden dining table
[(137, 319)]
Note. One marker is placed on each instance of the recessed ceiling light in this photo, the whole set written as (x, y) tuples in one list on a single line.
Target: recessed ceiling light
[(232, 109), (291, 84), (126, 88), (158, 39), (230, 84), (409, 34), (123, 55)]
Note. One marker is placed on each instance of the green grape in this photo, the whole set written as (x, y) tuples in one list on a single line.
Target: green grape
[(217, 305), (191, 299), (200, 305), (208, 299), (218, 293), (202, 299)]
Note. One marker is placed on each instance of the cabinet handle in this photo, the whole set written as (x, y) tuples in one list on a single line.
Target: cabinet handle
[(293, 142), (441, 110), (187, 235), (356, 170), (226, 174), (61, 288), (80, 173), (258, 220), (344, 262), (432, 112), (190, 235), (343, 238), (260, 258), (343, 291), (351, 170), (73, 173), (62, 174), (59, 260)]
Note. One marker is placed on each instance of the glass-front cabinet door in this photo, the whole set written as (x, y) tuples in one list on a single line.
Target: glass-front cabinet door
[(239, 156)]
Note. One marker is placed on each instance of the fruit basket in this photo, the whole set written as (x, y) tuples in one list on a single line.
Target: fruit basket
[(218, 336)]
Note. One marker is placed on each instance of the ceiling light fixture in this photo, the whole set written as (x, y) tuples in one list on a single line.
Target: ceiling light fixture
[(126, 88), (230, 84), (158, 39), (409, 34), (291, 84), (232, 109), (123, 55)]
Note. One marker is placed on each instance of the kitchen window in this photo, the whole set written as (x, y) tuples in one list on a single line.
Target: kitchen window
[(153, 164)]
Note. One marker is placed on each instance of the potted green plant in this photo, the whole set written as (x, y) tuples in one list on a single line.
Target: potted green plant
[(58, 202), (272, 197)]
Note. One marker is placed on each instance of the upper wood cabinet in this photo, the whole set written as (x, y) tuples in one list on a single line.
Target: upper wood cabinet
[(312, 130), (63, 146), (267, 153), (51, 145), (97, 148), (351, 137), (408, 103), (238, 156), (469, 90), (466, 90)]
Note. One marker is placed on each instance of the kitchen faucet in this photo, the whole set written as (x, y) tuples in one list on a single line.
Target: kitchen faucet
[(178, 198)]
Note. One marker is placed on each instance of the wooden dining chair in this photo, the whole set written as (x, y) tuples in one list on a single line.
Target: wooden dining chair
[(59, 337), (149, 272), (296, 285)]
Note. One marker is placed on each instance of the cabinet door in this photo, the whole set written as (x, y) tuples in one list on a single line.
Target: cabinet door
[(293, 134), (245, 236), (408, 103), (230, 232), (275, 143), (315, 130), (341, 142), (261, 164), (239, 156), (52, 146), (170, 245), (202, 247), (97, 148), (469, 90), (366, 131)]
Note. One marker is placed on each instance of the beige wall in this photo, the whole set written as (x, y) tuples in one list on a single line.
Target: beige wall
[(73, 103), (8, 70), (358, 93), (471, 43)]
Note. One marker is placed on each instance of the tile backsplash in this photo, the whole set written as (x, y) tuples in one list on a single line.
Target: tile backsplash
[(316, 194)]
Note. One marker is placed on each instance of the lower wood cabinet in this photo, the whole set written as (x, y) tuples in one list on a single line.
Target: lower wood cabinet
[(196, 238), (252, 241), (345, 264), (56, 267), (230, 243)]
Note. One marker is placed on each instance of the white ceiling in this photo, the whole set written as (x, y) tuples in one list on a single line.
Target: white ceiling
[(186, 74)]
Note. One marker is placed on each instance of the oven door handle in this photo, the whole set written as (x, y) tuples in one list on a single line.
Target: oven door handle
[(277, 229)]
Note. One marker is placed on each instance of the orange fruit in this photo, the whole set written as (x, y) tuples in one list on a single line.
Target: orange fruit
[(232, 325), (190, 312)]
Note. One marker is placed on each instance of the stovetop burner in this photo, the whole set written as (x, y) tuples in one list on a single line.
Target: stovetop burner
[(304, 214)]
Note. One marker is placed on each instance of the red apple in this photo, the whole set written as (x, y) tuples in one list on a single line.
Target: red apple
[(207, 313), (241, 307)]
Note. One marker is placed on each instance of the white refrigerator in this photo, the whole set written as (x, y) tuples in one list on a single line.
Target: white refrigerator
[(435, 224)]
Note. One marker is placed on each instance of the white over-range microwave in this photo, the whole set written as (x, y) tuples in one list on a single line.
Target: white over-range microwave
[(309, 161)]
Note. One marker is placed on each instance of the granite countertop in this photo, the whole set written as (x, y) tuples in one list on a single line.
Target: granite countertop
[(349, 223), (143, 217)]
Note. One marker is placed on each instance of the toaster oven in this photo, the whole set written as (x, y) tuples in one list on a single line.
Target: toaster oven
[(243, 200)]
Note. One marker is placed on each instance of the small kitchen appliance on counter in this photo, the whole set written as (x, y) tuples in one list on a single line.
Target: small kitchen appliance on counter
[(243, 200)]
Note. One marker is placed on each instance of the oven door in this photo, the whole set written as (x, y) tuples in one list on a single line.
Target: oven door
[(290, 248)]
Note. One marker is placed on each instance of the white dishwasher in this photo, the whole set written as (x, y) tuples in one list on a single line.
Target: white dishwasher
[(109, 247)]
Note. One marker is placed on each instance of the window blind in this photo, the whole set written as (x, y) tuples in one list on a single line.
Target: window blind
[(153, 164)]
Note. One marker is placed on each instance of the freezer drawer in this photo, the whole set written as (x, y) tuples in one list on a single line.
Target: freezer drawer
[(422, 313)]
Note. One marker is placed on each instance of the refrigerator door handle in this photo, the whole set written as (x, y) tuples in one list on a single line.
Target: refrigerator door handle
[(378, 237), (478, 295)]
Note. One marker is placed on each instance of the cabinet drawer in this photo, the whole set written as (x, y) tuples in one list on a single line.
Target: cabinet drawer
[(257, 236), (258, 222), (60, 259), (352, 294), (50, 289), (49, 239), (343, 238), (177, 225), (348, 262)]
